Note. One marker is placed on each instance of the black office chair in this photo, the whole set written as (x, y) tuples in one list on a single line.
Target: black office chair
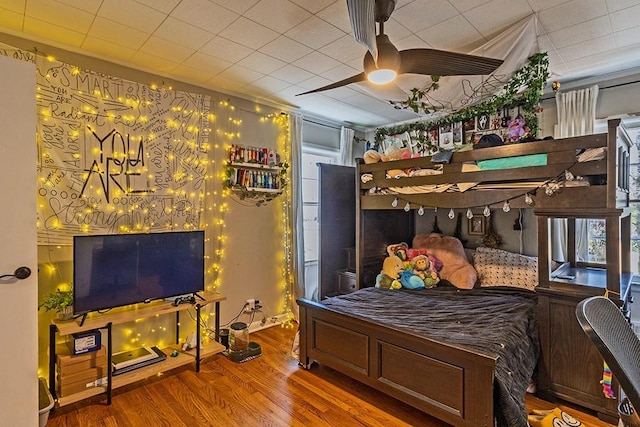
[(606, 326)]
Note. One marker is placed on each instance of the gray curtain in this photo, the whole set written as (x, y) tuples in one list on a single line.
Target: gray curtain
[(346, 146)]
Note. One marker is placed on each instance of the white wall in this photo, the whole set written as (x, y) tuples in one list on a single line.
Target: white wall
[(18, 317)]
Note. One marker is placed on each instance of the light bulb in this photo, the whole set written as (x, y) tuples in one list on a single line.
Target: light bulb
[(452, 214), (421, 211), (469, 213), (394, 203), (568, 176), (548, 191), (528, 199), (486, 212), (506, 206), (407, 207)]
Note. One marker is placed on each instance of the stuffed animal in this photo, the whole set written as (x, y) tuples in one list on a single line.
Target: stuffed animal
[(400, 250), (411, 281), (388, 277), (425, 270)]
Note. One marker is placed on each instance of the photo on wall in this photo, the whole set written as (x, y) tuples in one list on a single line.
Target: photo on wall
[(456, 129), (483, 122), (446, 138)]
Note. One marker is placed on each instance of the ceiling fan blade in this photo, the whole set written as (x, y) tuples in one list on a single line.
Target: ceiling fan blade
[(442, 63), (362, 14), (353, 79)]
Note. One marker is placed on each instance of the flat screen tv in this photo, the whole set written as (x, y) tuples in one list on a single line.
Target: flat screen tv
[(121, 269)]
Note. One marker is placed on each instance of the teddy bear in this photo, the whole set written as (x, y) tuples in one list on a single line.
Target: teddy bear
[(425, 270), (388, 277)]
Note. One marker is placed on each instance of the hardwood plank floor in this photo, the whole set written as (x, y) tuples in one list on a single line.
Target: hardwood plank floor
[(271, 390)]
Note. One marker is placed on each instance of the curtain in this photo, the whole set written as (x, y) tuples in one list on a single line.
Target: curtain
[(296, 225), (346, 146), (576, 117)]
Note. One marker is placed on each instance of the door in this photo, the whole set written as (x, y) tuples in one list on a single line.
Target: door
[(18, 248)]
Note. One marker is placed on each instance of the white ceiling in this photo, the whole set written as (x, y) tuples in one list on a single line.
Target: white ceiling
[(271, 50)]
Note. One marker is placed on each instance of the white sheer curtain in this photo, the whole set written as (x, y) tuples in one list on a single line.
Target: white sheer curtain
[(346, 146), (296, 224), (576, 117)]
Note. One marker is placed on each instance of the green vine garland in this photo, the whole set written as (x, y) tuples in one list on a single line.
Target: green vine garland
[(523, 90), (259, 197)]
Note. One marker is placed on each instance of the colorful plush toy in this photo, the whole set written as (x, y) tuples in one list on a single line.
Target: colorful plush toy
[(400, 250), (516, 129), (425, 270), (388, 277), (411, 281)]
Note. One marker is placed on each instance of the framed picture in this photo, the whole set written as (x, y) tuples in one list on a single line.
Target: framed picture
[(483, 122), (476, 225)]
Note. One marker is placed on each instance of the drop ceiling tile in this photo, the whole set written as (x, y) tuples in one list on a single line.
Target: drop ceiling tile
[(314, 82), (464, 5), (52, 32), (626, 18), (225, 49), (131, 14), (315, 33), (183, 33), (13, 5), (108, 49), (59, 15), (292, 74), (285, 49), (241, 75), (238, 6), (204, 14), (628, 37), (599, 27), (571, 13), (188, 74), (153, 63), (340, 72), (545, 44), (164, 6), (453, 34), (538, 5), (203, 62), (346, 49), (10, 19), (268, 84), (316, 62), (411, 42), (249, 33), (166, 49), (337, 15), (314, 6), (421, 14), (615, 5), (496, 16), (262, 63), (117, 33), (278, 15), (395, 30), (588, 47), (90, 6)]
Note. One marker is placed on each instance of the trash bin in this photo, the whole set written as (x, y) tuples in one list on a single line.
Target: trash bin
[(45, 402)]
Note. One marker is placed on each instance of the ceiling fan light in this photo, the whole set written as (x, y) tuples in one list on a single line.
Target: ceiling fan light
[(381, 77)]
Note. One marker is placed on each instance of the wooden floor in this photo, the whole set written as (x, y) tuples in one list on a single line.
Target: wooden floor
[(271, 390)]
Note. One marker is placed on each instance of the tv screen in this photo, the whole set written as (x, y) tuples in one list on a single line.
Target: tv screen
[(120, 269)]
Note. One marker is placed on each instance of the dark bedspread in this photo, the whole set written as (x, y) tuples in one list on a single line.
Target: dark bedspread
[(497, 320)]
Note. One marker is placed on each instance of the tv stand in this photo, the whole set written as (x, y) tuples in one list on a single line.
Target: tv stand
[(106, 321)]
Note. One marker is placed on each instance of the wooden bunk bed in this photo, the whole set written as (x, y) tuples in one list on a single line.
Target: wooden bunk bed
[(452, 381)]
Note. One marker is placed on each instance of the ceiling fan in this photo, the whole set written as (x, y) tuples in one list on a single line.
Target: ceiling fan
[(383, 62)]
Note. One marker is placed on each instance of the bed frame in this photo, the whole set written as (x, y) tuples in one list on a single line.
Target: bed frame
[(460, 389), (446, 381)]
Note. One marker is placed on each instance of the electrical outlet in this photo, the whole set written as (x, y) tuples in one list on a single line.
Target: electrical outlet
[(251, 305)]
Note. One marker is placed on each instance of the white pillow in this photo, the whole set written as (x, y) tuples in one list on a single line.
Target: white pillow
[(496, 267)]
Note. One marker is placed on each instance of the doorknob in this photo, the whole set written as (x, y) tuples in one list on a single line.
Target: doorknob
[(20, 273)]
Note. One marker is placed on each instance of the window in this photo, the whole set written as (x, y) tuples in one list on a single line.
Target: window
[(311, 156)]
